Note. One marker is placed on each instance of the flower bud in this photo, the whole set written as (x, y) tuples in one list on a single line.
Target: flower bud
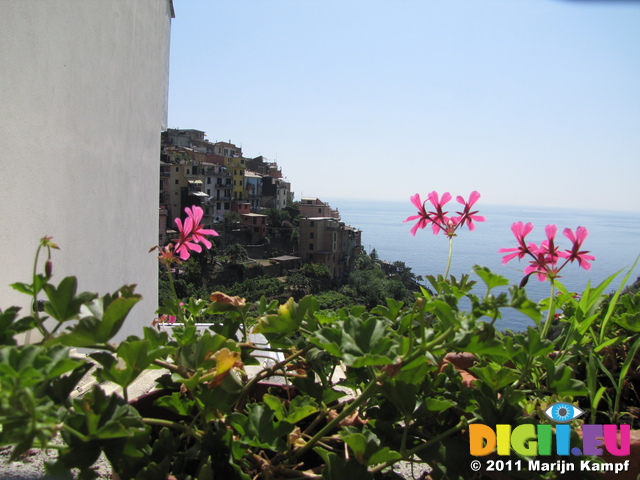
[(48, 269)]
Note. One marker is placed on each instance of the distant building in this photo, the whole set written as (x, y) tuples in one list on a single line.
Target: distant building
[(314, 207), (256, 224), (236, 167), (325, 239), (253, 187)]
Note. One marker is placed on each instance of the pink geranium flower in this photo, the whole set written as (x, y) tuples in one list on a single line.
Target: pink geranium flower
[(520, 230), (575, 253), (191, 233), (439, 219), (439, 216), (545, 257), (548, 248), (185, 243), (422, 216), (467, 216), (198, 231)]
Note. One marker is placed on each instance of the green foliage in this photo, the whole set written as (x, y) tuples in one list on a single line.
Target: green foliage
[(332, 300), (254, 288), (236, 253), (358, 389), (277, 217)]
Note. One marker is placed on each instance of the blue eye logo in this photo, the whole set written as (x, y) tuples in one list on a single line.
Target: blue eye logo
[(563, 412)]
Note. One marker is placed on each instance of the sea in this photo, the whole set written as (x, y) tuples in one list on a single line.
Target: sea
[(614, 239)]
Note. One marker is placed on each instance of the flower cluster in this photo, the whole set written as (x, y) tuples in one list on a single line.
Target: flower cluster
[(547, 258), (439, 219), (191, 234)]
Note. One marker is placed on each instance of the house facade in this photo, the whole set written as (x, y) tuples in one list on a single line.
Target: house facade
[(327, 240)]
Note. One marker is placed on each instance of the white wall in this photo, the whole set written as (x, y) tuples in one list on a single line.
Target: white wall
[(83, 99)]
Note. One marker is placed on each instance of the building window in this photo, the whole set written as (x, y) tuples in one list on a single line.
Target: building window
[(311, 235), (177, 169), (208, 179), (311, 246), (177, 181), (312, 223)]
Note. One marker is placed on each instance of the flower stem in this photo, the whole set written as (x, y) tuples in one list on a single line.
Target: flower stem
[(446, 272), (176, 426), (180, 313), (267, 373), (366, 393), (550, 313), (35, 308)]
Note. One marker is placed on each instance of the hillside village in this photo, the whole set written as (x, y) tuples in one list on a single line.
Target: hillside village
[(240, 196)]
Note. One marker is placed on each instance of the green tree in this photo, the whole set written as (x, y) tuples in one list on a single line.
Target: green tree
[(236, 253)]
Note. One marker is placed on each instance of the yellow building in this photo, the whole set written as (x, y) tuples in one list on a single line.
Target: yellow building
[(236, 166)]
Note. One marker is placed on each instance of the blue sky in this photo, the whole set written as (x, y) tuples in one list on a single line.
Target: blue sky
[(530, 102)]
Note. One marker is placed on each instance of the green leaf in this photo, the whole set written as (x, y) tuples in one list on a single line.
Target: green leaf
[(109, 313), (359, 342), (31, 289), (275, 404), (495, 376), (560, 379), (490, 279), (521, 303), (337, 468), (366, 447), (258, 428), (176, 402), (301, 407), (133, 357), (629, 321), (8, 325), (439, 404), (63, 303), (288, 319)]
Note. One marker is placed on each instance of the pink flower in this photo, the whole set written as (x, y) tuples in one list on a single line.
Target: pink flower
[(520, 230), (191, 233), (198, 232), (167, 255), (539, 267), (575, 253), (439, 218), (422, 216), (548, 249), (467, 216), (545, 258), (185, 242)]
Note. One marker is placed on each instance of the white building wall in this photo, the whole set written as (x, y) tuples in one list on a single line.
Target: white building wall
[(83, 99)]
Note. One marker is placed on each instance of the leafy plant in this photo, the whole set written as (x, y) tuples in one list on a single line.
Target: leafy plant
[(345, 393)]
